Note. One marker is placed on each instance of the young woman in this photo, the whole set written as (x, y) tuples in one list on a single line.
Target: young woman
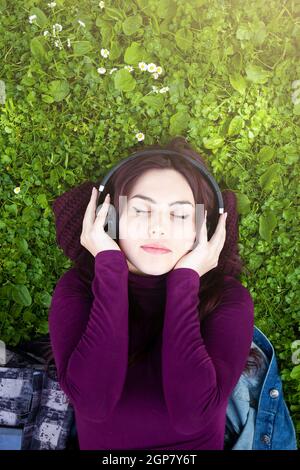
[(149, 344)]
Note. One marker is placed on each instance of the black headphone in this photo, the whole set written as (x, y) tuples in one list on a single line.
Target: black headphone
[(112, 221)]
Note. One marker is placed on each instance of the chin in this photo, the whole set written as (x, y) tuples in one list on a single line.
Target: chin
[(154, 271), (149, 267)]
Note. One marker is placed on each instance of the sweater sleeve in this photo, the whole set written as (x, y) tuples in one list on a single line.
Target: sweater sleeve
[(201, 368), (89, 335)]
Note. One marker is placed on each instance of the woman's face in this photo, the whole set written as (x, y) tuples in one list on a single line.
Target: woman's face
[(161, 220)]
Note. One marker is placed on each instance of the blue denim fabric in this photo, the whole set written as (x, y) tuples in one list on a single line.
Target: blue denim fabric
[(10, 438), (257, 417)]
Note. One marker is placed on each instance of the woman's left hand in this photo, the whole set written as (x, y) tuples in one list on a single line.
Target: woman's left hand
[(205, 256)]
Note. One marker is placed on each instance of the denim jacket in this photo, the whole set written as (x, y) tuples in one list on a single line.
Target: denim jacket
[(257, 417), (36, 414)]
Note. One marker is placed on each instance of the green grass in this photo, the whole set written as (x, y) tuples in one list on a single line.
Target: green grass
[(231, 69)]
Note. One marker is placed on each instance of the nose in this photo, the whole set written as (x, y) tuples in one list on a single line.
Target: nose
[(157, 225)]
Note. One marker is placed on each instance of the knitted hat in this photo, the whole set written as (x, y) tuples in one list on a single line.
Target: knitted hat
[(69, 209)]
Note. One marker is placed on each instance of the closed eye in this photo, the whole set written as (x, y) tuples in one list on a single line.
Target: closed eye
[(148, 212)]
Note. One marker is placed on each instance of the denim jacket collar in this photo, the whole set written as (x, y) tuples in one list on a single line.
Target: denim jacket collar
[(264, 424)]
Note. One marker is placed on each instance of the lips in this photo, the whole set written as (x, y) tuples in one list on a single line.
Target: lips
[(155, 250)]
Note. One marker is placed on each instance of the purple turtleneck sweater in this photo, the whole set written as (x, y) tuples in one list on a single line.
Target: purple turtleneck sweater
[(175, 397)]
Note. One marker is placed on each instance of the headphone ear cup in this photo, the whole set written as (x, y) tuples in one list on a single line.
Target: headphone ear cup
[(109, 220)]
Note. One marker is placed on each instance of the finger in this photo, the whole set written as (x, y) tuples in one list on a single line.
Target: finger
[(89, 215), (101, 214), (220, 233), (221, 242), (102, 206), (223, 235)]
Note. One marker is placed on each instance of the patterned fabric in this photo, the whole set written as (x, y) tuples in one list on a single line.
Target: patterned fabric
[(16, 387), (31, 400)]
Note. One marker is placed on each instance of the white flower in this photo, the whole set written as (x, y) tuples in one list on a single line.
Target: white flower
[(51, 4), (112, 70), (250, 135), (68, 42), (104, 52), (143, 66), (295, 98), (58, 44), (151, 68), (154, 88), (164, 89), (295, 83), (129, 68), (155, 76), (17, 190), (158, 70), (32, 18), (81, 23), (101, 70), (101, 5), (294, 95), (140, 136), (56, 27), (46, 32)]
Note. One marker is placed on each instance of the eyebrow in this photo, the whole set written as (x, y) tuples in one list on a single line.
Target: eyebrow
[(146, 198)]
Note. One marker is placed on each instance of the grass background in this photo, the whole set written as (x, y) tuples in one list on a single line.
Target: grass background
[(232, 72)]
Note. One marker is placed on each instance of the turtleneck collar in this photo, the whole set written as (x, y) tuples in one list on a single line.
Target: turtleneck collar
[(147, 281), (147, 296)]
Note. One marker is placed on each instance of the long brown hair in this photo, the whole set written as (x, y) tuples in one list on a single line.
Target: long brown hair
[(230, 263)]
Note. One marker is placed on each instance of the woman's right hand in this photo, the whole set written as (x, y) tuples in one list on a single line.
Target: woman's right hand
[(93, 236)]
